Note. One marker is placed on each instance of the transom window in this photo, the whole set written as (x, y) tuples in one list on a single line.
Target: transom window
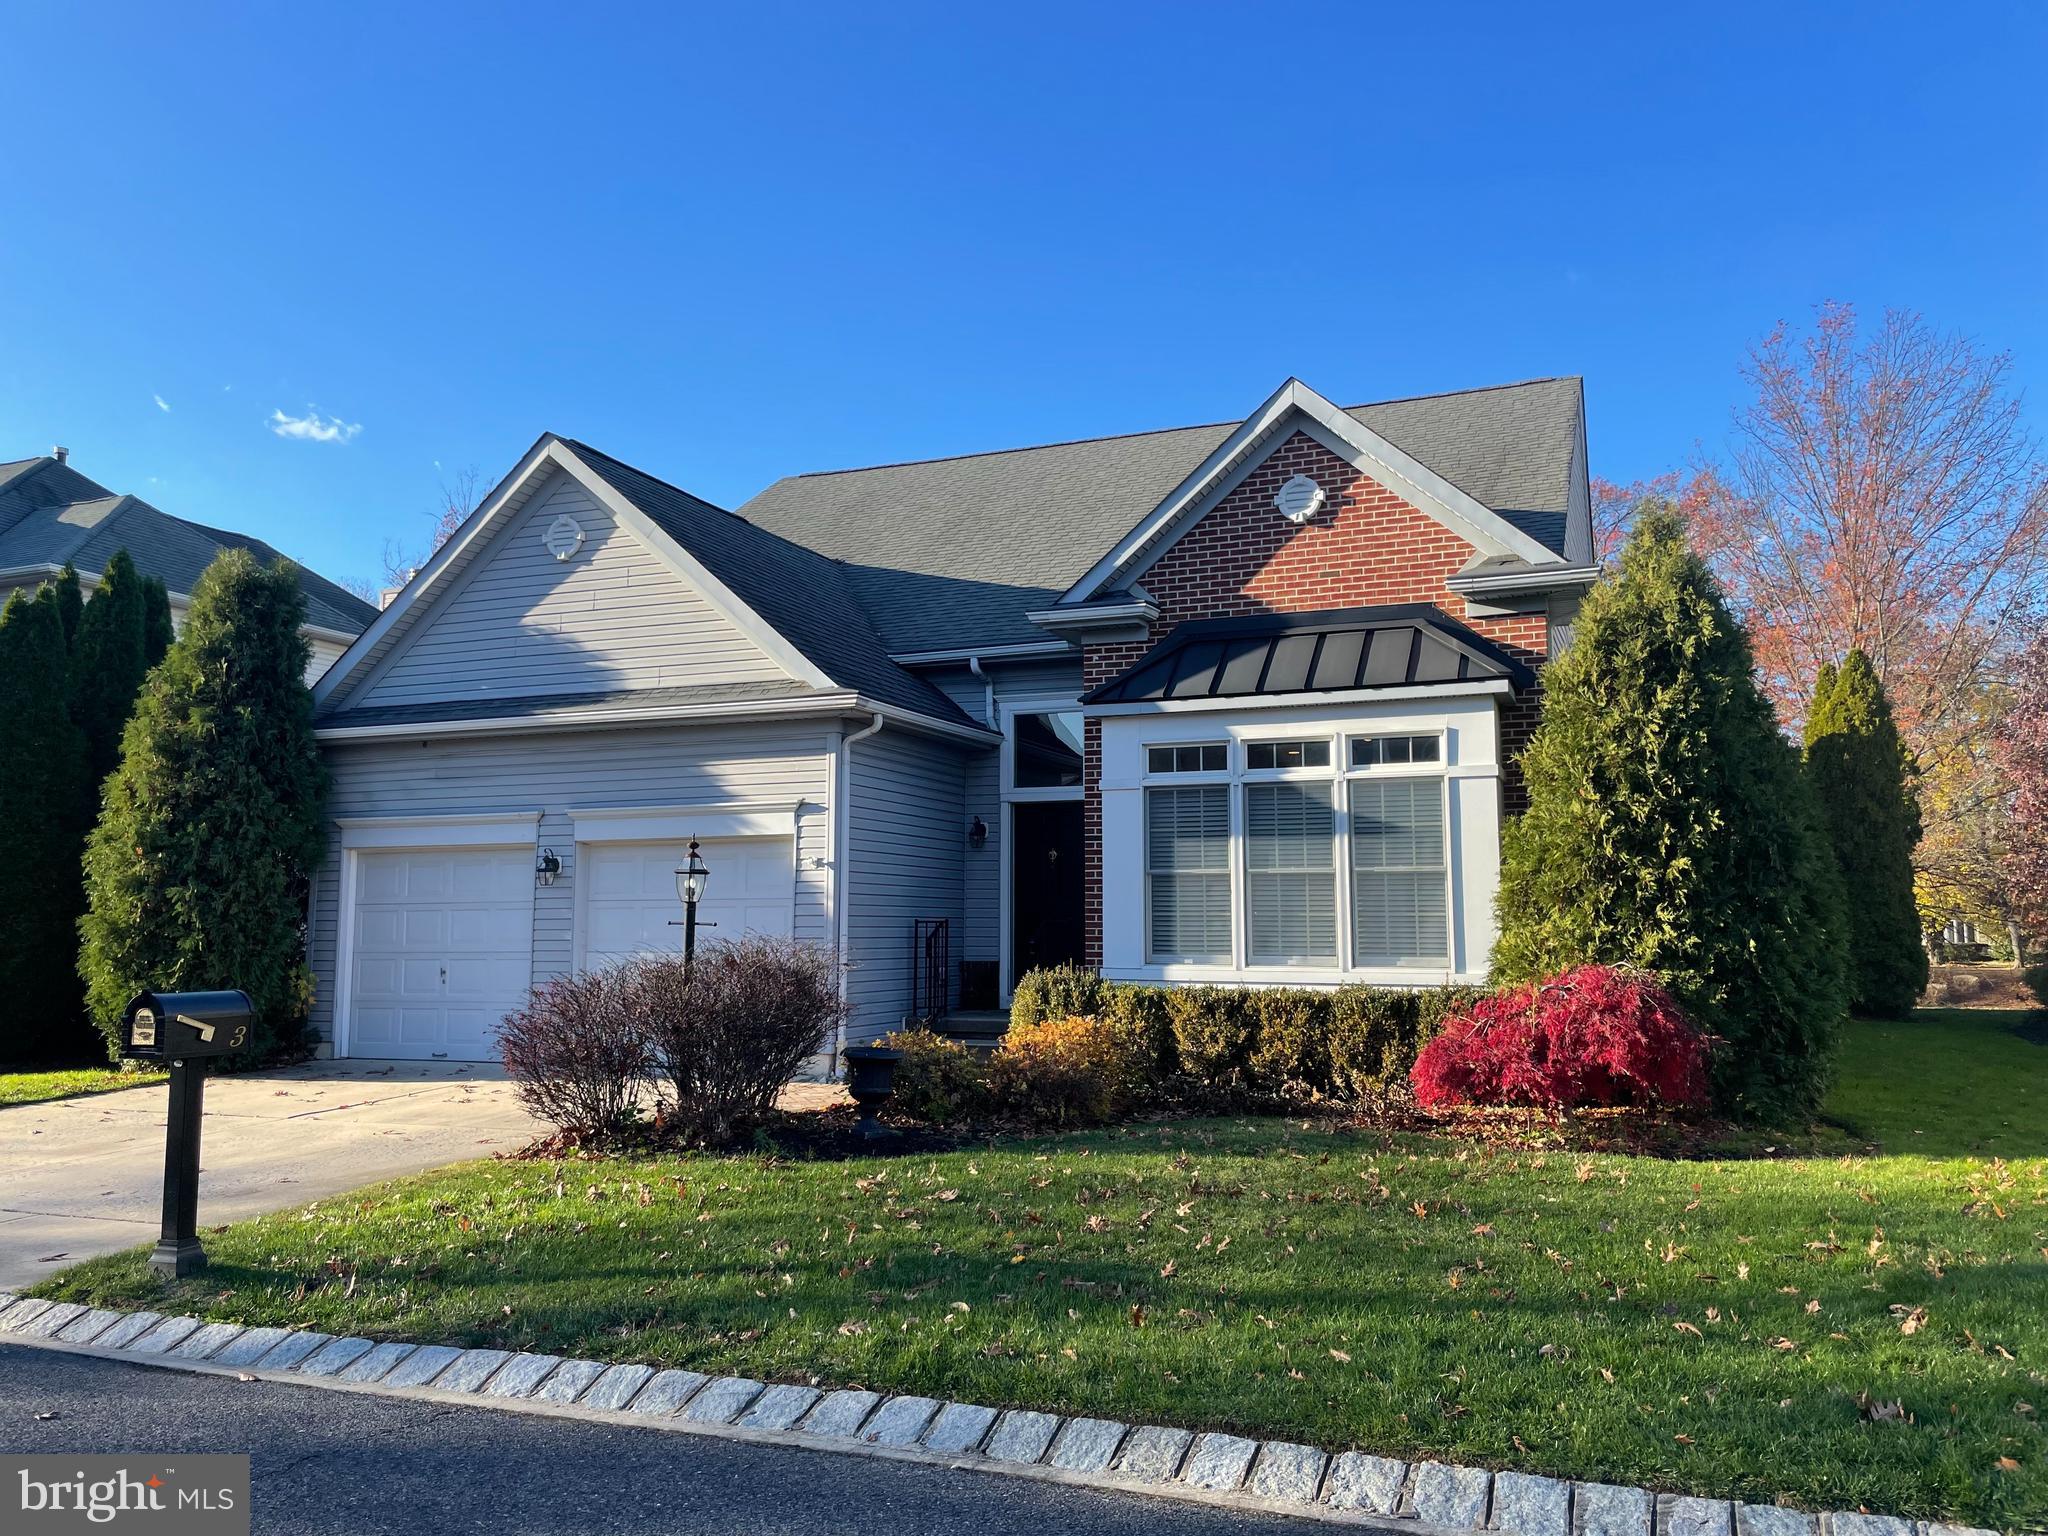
[(1394, 751), (1209, 757), (1287, 754), (1299, 857)]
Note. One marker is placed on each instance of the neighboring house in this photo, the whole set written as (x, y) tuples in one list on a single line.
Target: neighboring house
[(52, 516), (1231, 703)]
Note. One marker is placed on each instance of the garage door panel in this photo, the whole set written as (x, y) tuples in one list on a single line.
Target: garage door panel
[(630, 906), (443, 950)]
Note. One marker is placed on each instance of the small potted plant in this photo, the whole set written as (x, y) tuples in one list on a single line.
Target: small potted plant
[(871, 1079)]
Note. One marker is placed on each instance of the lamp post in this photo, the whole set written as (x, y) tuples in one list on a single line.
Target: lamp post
[(691, 879)]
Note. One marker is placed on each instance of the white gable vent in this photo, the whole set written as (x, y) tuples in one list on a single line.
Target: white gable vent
[(564, 536), (1299, 499)]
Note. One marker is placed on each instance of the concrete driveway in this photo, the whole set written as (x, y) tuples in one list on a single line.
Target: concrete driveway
[(80, 1177)]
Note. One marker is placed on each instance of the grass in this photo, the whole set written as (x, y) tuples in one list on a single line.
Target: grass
[(34, 1087), (1862, 1328)]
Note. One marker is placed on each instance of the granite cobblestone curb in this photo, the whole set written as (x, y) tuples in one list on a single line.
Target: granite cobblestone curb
[(1213, 1467)]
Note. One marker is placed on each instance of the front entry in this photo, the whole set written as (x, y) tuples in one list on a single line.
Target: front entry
[(1046, 886)]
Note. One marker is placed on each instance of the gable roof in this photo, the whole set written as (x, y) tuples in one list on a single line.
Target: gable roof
[(51, 515), (793, 601), (949, 553)]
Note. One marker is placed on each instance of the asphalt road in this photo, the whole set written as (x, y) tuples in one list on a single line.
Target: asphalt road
[(354, 1465)]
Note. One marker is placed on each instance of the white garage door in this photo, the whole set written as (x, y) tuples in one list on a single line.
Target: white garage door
[(630, 894), (443, 951)]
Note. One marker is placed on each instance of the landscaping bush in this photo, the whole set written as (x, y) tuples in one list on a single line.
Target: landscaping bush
[(1290, 1057), (1214, 1031), (1059, 992), (1597, 1035), (1372, 1041), (2036, 978), (577, 1053), (938, 1081), (729, 1032), (1670, 826), (1071, 1071), (1140, 1017)]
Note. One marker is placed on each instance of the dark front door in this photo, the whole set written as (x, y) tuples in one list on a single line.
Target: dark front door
[(1046, 924)]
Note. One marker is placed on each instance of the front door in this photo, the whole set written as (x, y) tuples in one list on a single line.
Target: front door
[(1046, 920)]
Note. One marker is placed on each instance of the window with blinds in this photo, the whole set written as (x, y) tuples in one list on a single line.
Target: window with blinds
[(1399, 894), (1187, 872), (1290, 872)]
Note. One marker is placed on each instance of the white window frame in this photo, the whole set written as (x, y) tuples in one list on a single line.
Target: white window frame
[(1194, 779), (1438, 770)]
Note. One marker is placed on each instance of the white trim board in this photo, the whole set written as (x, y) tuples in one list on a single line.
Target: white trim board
[(1348, 698), (1294, 403), (680, 823), (494, 829)]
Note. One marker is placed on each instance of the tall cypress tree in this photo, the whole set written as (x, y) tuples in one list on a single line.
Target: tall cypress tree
[(1862, 776), (70, 603), (1670, 827), (196, 874), (107, 663), (42, 777), (157, 630)]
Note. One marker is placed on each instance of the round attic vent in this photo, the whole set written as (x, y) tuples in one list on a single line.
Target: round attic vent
[(1299, 499), (563, 538)]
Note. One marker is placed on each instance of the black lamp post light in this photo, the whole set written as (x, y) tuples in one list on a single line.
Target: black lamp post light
[(691, 880)]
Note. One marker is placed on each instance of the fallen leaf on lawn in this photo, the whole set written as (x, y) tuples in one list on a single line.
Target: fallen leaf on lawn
[(852, 1326), (1606, 1375), (1812, 1307), (2008, 1464), (1340, 1357), (1911, 1319), (1782, 1343), (1683, 1439), (1137, 1317), (1684, 1327)]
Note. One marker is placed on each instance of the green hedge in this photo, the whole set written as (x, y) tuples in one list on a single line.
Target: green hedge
[(1354, 1043)]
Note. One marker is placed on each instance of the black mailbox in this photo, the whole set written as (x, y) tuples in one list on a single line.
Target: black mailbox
[(184, 1026)]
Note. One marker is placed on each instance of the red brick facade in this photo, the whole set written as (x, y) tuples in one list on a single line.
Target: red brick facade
[(1366, 546)]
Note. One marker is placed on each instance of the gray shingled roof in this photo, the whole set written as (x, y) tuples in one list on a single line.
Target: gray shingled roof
[(803, 595), (541, 706), (955, 552), (50, 514)]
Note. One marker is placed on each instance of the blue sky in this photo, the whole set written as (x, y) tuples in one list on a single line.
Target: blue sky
[(732, 243)]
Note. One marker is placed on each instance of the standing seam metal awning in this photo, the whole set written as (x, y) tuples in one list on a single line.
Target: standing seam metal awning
[(1405, 646)]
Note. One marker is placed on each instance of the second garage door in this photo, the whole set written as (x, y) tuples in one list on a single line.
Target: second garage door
[(443, 951), (630, 898)]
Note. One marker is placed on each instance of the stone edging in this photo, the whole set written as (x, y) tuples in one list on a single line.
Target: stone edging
[(1425, 1498)]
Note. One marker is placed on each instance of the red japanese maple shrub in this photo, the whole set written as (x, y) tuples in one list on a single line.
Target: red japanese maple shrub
[(1592, 1036)]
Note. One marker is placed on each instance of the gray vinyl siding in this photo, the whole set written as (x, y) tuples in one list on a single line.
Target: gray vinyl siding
[(520, 622), (908, 823), (981, 936), (656, 766)]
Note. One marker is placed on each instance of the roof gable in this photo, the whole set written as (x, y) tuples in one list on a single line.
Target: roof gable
[(953, 554)]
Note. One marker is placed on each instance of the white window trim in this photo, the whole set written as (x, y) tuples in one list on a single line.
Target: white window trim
[(1439, 770), (1008, 711), (1226, 778)]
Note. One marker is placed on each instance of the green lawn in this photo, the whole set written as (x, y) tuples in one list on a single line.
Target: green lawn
[(1737, 1326), (33, 1087)]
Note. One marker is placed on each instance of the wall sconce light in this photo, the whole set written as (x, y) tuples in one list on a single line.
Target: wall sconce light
[(977, 833), (546, 867)]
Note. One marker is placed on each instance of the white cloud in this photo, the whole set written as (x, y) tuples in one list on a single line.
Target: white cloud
[(161, 403), (313, 427)]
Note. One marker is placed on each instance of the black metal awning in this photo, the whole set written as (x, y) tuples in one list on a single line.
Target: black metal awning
[(1411, 645)]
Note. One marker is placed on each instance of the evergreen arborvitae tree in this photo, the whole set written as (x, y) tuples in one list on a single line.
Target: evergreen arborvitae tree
[(196, 874), (42, 780), (157, 630), (1862, 774), (107, 663), (70, 603), (1670, 827)]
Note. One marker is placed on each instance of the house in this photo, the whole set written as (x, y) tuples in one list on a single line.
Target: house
[(1232, 703), (52, 516)]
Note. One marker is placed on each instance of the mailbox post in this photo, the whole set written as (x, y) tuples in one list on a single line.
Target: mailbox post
[(185, 1030)]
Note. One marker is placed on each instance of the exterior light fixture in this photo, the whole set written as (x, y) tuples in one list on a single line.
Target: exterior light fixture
[(691, 879), (977, 833), (546, 867)]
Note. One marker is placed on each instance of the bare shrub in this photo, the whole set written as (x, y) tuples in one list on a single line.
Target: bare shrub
[(732, 1031), (577, 1053)]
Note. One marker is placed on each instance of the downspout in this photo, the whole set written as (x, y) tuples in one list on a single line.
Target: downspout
[(842, 860), (988, 692)]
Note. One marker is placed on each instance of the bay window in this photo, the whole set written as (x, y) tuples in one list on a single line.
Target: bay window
[(1187, 872)]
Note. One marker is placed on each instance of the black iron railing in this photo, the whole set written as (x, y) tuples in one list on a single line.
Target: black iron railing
[(931, 965)]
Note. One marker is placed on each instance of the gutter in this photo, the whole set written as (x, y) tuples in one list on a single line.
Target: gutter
[(1543, 578), (842, 860), (988, 692)]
